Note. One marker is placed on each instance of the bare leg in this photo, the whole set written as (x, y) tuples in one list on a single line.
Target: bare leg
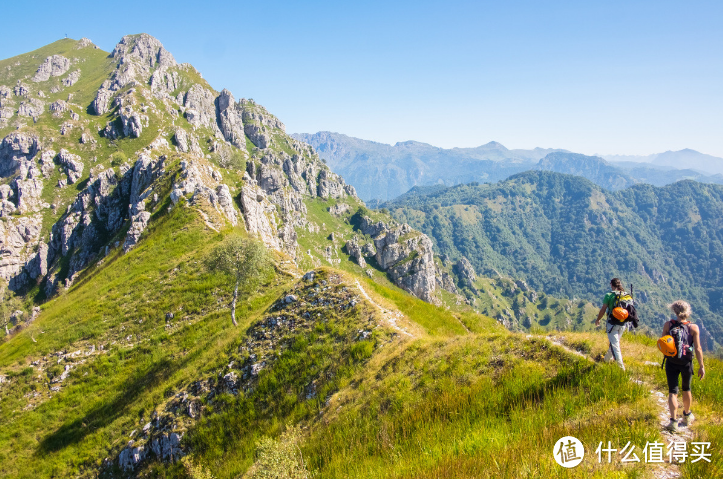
[(673, 405), (687, 401)]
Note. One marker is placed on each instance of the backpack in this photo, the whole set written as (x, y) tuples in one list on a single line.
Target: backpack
[(625, 301), (680, 332)]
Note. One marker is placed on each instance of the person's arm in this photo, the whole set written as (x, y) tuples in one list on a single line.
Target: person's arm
[(666, 328), (695, 331), (601, 314)]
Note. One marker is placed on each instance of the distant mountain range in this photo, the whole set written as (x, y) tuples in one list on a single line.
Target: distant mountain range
[(381, 172)]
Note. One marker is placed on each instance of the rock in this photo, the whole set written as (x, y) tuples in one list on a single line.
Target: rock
[(369, 250), (259, 214), (144, 49), (329, 186), (29, 193), (407, 257), (16, 148), (290, 298), (138, 225), (72, 164), (21, 89), (131, 456), (465, 271), (339, 209), (83, 43), (258, 134), (54, 65), (169, 316), (102, 98), (230, 121), (32, 108), (72, 79), (309, 276), (17, 235), (58, 107), (164, 82), (225, 203), (446, 282), (200, 106), (353, 250), (369, 228), (132, 123), (180, 138)]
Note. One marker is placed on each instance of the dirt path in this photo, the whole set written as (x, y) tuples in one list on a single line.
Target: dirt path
[(391, 317), (685, 434)]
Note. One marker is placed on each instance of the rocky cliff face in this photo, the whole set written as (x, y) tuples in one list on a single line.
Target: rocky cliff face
[(404, 253), (209, 131)]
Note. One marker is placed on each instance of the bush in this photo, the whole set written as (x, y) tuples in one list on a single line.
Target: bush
[(280, 458), (117, 158)]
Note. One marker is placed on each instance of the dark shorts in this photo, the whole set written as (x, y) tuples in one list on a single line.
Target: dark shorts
[(672, 371)]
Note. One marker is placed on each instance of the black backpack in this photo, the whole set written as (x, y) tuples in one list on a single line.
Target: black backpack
[(683, 342)]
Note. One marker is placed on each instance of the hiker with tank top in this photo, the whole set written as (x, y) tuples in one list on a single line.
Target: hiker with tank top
[(681, 365), (614, 328)]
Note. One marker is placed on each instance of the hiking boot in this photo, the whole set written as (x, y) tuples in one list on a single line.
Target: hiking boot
[(688, 420), (673, 426)]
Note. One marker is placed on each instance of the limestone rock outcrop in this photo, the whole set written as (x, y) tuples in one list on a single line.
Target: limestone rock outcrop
[(72, 164), (259, 214), (54, 66), (16, 148), (32, 108), (404, 253), (354, 250), (132, 122), (17, 238)]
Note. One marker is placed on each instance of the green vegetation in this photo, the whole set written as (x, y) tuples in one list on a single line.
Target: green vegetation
[(247, 261), (567, 237), (339, 375)]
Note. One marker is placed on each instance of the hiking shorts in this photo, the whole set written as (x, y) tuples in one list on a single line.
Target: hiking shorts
[(672, 371)]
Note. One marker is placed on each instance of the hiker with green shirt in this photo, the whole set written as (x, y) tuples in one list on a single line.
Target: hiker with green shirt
[(614, 327)]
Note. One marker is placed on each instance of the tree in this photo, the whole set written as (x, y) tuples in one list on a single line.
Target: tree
[(246, 260)]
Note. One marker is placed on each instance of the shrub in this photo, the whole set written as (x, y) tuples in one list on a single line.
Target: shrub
[(280, 458)]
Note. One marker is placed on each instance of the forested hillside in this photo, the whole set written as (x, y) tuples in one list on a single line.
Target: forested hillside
[(566, 236)]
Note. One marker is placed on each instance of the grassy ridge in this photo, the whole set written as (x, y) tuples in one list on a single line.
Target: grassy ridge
[(124, 310)]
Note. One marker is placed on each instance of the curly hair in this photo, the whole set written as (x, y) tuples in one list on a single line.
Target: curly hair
[(681, 309)]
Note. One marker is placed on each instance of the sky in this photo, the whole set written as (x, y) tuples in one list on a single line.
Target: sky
[(596, 77)]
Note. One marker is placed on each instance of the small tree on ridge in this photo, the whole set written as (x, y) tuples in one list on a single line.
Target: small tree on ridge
[(246, 260)]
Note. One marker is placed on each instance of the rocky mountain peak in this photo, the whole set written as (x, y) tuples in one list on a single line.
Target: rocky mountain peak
[(143, 48)]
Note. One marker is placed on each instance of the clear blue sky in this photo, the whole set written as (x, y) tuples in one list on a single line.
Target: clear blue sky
[(591, 76)]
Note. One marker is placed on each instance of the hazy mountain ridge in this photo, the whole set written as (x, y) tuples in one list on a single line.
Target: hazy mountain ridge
[(382, 172), (681, 159)]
